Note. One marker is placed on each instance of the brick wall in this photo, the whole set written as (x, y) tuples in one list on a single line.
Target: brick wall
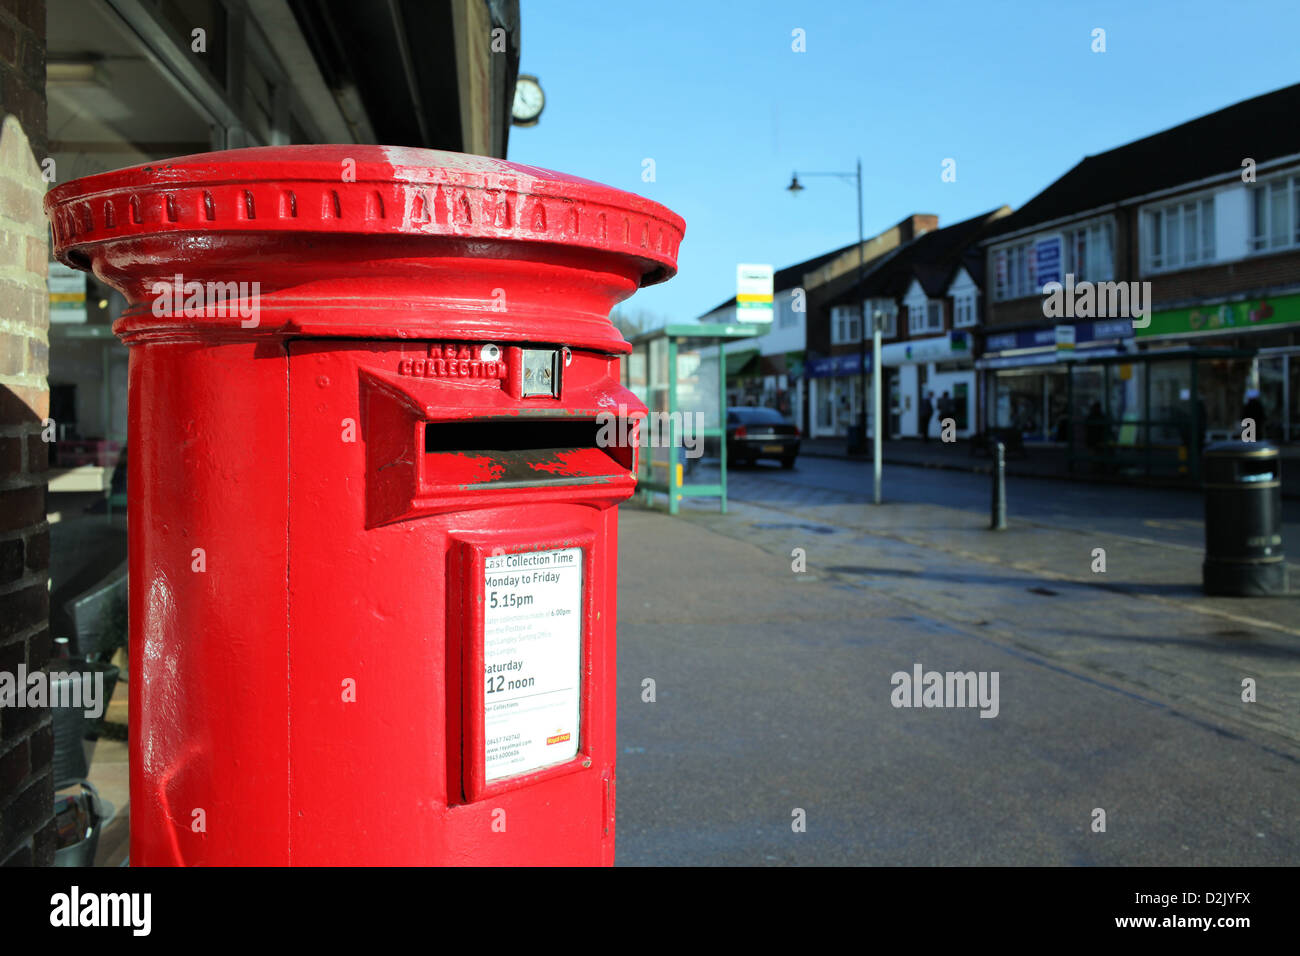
[(1241, 277), (26, 735), (1016, 312)]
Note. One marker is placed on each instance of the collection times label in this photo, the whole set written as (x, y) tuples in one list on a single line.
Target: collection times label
[(532, 660)]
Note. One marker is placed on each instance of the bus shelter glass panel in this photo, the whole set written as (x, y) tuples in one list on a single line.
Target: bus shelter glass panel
[(636, 376), (699, 412), (656, 457), (1223, 383)]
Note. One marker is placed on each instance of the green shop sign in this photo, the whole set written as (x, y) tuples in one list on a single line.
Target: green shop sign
[(1227, 317)]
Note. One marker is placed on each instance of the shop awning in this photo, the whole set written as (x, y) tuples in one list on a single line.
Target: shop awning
[(742, 362)]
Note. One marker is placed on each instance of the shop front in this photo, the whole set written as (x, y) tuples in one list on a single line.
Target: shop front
[(1137, 414), (936, 366), (1027, 381), (1264, 385), (834, 394)]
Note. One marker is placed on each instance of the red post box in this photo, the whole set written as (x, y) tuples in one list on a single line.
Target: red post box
[(372, 517)]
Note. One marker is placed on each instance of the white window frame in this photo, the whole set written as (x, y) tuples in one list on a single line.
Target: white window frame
[(1264, 237), (1015, 279), (1157, 255), (845, 325), (964, 309), (934, 315), (924, 315), (1099, 257), (888, 310), (1013, 267)]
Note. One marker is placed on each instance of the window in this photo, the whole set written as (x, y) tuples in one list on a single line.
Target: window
[(844, 324), (1014, 269), (934, 316), (1275, 219), (756, 415), (1089, 254), (1179, 235), (1090, 251), (963, 310), (888, 311), (924, 315)]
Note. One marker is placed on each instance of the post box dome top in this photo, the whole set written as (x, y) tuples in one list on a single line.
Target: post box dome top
[(360, 190)]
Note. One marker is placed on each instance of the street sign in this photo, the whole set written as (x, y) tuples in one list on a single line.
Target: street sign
[(754, 293), (1065, 338)]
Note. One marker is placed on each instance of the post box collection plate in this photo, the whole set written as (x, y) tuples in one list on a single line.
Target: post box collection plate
[(532, 660), (365, 385)]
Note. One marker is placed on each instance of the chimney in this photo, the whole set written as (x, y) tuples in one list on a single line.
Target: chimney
[(916, 224)]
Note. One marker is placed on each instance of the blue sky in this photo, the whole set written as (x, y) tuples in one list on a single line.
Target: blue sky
[(712, 91)]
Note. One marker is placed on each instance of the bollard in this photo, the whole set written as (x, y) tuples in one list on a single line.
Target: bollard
[(999, 518)]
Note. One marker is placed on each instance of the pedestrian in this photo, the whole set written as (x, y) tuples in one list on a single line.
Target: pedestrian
[(927, 410), (945, 409)]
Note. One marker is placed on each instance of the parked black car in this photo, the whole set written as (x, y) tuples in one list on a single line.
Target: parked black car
[(754, 433)]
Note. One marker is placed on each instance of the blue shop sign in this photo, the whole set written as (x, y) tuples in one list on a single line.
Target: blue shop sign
[(1046, 337), (833, 366)]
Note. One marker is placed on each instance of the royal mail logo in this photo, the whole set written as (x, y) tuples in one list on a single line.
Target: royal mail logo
[(557, 739), (456, 361)]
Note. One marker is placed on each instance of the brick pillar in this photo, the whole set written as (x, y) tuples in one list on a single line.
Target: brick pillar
[(26, 735)]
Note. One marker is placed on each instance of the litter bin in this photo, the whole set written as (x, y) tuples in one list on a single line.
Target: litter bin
[(373, 521), (1243, 520)]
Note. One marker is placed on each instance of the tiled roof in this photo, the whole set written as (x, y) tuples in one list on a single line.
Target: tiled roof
[(1263, 128)]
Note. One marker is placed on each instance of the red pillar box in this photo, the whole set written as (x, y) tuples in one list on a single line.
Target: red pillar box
[(373, 531)]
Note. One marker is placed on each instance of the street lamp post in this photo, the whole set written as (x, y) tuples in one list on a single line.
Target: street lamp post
[(858, 432)]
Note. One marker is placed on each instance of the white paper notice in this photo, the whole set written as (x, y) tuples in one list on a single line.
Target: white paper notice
[(532, 659)]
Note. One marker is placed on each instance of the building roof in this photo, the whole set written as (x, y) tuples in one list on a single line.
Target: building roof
[(932, 259), (791, 276), (1262, 128)]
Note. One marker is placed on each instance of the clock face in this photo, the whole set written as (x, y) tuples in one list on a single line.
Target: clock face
[(529, 101)]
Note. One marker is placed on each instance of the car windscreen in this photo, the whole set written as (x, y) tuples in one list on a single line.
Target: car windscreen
[(758, 416)]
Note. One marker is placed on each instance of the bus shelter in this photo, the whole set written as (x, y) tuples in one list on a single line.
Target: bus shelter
[(679, 371)]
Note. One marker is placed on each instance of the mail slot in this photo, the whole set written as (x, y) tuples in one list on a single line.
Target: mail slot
[(372, 513)]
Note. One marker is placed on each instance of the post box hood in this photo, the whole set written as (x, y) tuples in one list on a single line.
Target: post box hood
[(372, 241)]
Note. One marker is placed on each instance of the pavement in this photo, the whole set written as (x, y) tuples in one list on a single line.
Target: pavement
[(773, 739), (1041, 460), (1120, 691)]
